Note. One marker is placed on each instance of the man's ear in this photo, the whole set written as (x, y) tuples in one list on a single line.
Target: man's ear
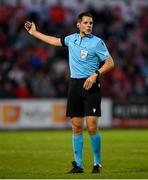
[(78, 25)]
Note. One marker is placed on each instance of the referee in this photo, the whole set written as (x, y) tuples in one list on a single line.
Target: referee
[(86, 52)]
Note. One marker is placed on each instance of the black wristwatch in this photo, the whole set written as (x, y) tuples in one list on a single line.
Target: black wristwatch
[(98, 73)]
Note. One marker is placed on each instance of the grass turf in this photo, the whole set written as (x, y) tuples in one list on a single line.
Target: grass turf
[(48, 154)]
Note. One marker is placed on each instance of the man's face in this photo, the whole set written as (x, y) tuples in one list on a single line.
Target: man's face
[(85, 26)]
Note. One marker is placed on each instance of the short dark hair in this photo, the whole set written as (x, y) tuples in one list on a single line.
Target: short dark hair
[(80, 16)]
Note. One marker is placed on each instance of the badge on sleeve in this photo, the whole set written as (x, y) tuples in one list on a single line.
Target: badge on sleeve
[(83, 54)]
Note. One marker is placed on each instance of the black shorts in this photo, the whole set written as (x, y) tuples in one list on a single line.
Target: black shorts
[(83, 102)]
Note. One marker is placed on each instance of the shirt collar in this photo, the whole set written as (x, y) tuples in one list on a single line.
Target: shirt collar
[(87, 36)]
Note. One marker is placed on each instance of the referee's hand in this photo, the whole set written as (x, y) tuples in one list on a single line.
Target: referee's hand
[(90, 81), (30, 27)]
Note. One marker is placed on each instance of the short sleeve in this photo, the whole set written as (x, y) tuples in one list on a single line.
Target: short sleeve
[(65, 40), (102, 51)]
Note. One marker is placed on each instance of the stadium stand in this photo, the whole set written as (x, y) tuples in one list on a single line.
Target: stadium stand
[(30, 68)]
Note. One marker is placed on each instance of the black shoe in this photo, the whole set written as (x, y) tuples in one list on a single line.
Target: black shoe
[(97, 168), (76, 169)]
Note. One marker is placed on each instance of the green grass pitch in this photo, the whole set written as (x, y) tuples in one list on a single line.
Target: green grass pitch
[(48, 155)]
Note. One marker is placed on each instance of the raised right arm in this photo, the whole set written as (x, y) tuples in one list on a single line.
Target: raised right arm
[(31, 28)]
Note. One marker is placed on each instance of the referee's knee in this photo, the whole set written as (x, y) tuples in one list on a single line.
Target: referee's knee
[(77, 128), (92, 130)]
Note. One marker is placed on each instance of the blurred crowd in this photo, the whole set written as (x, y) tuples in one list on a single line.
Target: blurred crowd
[(30, 68)]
